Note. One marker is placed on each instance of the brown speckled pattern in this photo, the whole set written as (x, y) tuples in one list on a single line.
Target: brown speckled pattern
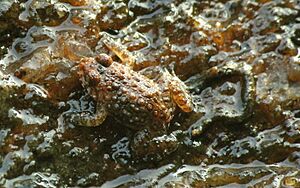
[(129, 97)]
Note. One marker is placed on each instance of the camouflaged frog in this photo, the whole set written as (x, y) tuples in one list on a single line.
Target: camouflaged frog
[(134, 100), (146, 103)]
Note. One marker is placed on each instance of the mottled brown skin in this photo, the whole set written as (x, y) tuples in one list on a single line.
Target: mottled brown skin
[(130, 96), (134, 100)]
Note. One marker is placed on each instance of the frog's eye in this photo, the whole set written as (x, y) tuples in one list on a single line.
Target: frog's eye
[(104, 59)]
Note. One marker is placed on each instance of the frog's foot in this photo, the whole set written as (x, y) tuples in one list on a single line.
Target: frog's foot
[(69, 47), (231, 102), (89, 119), (120, 50), (149, 146)]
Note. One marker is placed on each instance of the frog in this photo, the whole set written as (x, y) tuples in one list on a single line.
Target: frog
[(136, 100), (145, 101)]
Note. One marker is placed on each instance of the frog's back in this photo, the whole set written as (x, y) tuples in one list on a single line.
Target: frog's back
[(134, 99)]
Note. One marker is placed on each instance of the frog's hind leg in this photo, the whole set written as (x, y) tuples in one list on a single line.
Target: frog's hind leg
[(91, 120)]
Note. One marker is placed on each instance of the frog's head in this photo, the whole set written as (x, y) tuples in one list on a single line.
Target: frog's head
[(90, 70)]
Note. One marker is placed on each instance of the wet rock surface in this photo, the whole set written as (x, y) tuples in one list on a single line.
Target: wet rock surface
[(239, 59)]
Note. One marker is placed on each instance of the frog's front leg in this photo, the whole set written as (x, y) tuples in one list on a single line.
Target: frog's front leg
[(121, 51), (153, 145), (91, 119)]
